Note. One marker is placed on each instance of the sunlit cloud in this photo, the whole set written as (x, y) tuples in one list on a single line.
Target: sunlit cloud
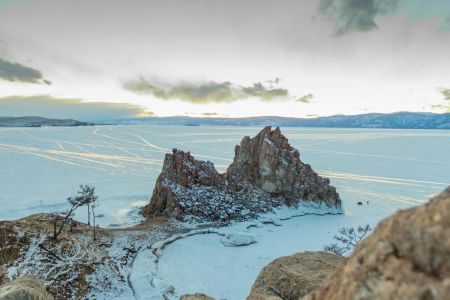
[(445, 107), (446, 94), (306, 98), (63, 108), (209, 92)]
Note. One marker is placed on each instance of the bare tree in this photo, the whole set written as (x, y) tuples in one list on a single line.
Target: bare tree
[(75, 202), (347, 239), (87, 194), (94, 205)]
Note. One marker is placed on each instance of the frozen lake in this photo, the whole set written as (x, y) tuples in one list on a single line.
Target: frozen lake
[(41, 167)]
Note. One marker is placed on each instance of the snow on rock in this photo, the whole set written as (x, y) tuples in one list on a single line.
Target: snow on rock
[(238, 239), (266, 173)]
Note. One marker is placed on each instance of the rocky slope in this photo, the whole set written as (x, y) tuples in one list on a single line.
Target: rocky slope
[(74, 267), (406, 257), (291, 277), (266, 172)]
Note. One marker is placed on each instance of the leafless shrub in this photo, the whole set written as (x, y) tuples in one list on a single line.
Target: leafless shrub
[(347, 239)]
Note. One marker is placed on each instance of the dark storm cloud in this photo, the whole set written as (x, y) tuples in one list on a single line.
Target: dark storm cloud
[(16, 72), (306, 98), (62, 108), (356, 15), (210, 92)]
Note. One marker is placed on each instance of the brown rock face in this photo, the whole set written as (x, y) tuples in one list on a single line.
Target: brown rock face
[(266, 172), (406, 257), (24, 288), (179, 169), (268, 161), (293, 276)]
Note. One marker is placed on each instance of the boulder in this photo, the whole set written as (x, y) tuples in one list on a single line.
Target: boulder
[(236, 239), (196, 296), (24, 288), (3, 274), (406, 257), (291, 277), (266, 172)]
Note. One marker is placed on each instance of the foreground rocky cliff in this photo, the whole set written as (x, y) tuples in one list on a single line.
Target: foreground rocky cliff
[(406, 257), (266, 172), (291, 277)]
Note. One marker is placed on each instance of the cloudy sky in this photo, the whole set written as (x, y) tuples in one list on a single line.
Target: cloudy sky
[(107, 59)]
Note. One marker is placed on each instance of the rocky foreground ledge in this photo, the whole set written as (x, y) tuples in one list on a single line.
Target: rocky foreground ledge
[(266, 173), (406, 257)]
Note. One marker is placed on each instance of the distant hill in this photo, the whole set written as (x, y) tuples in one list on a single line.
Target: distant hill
[(400, 120), (32, 121)]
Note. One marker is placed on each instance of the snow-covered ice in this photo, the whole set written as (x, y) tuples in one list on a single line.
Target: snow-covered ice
[(386, 170)]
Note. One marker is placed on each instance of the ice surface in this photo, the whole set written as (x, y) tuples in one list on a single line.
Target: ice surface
[(386, 170), (41, 167)]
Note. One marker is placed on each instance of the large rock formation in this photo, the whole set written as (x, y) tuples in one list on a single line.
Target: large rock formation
[(24, 288), (406, 257), (266, 172), (291, 277), (268, 161)]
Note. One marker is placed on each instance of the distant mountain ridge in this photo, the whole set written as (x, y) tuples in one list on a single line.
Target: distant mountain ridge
[(33, 121), (398, 120)]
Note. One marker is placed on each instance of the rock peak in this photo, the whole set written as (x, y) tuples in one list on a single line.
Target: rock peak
[(266, 168)]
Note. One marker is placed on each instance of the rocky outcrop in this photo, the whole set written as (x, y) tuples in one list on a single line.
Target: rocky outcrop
[(406, 257), (180, 172), (266, 172), (293, 276), (268, 161), (196, 296), (24, 288)]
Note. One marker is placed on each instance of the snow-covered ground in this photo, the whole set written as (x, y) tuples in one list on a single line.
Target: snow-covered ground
[(386, 170)]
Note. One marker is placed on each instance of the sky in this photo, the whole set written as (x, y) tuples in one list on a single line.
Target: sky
[(108, 59)]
